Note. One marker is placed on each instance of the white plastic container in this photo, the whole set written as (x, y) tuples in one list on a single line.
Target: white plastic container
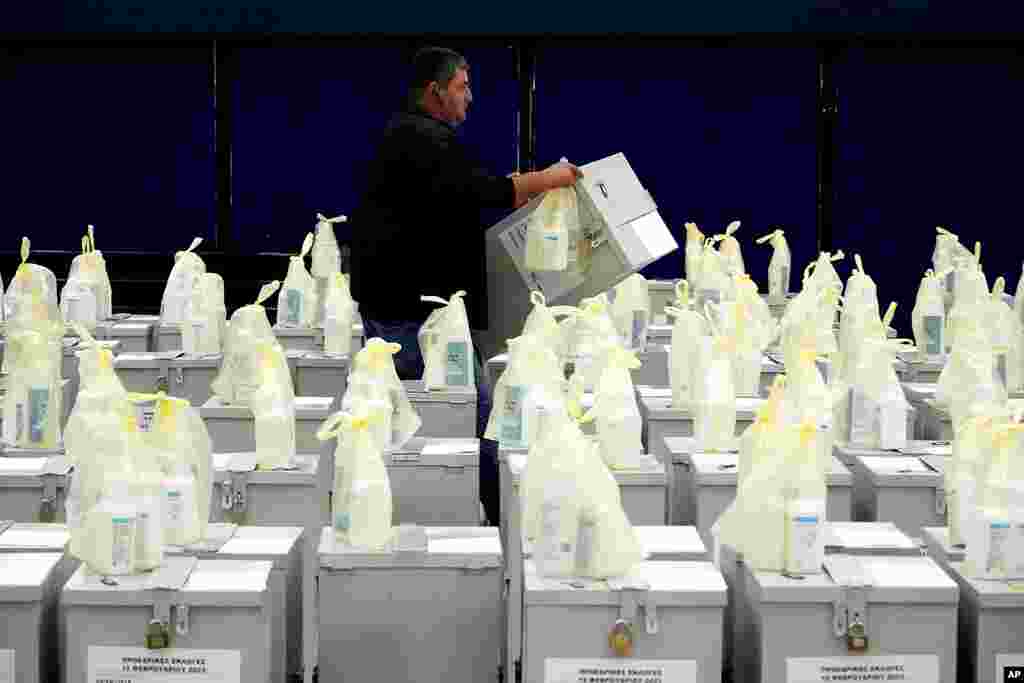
[(32, 488), (232, 427), (436, 482), (662, 420), (29, 590), (797, 627), (905, 490), (675, 609), (413, 600), (217, 610), (448, 413), (282, 547), (707, 485)]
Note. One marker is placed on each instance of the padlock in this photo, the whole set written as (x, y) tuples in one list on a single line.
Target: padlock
[(620, 639), (856, 637), (158, 636)]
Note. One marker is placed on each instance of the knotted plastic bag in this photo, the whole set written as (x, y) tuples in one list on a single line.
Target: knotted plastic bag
[(339, 313), (987, 530), (297, 302), (928, 318), (805, 506), (694, 255), (759, 439), (968, 276), (969, 382), (616, 413), (821, 274), (248, 331), (32, 405), (729, 249), (273, 406), (204, 327), (170, 432), (749, 323), (447, 346), (592, 335), (361, 509), (876, 407), (373, 377), (688, 328), (779, 267), (714, 420), (115, 503), (542, 323), (524, 393), (715, 279), (971, 298), (548, 230), (972, 443), (606, 544), (631, 311), (188, 266), (31, 297), (87, 295), (859, 318), (326, 261), (1004, 335), (947, 250)]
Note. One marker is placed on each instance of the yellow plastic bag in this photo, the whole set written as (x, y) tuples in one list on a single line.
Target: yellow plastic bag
[(447, 346), (779, 267), (548, 230), (339, 313), (361, 509), (297, 302), (631, 311), (248, 330), (729, 249), (714, 417), (591, 335), (928, 318), (31, 297), (616, 413), (188, 266), (373, 376), (531, 383), (204, 326), (689, 326), (694, 255), (32, 405), (86, 296)]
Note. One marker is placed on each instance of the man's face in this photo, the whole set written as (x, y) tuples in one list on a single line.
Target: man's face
[(455, 100)]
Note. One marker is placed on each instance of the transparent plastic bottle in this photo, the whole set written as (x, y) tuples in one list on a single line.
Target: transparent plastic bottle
[(114, 525), (805, 506), (180, 510)]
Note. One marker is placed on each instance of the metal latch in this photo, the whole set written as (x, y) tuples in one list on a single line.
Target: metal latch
[(179, 376), (181, 619), (622, 636), (234, 496), (850, 610), (940, 500), (158, 633), (48, 501)]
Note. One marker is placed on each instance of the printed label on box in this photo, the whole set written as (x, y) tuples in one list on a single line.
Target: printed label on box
[(907, 669), (620, 670), (138, 665)]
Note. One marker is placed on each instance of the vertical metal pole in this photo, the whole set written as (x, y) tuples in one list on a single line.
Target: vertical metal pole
[(827, 117)]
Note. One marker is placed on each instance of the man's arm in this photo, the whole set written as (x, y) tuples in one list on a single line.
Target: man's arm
[(528, 185)]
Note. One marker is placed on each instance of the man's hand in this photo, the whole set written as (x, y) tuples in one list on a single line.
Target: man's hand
[(529, 185), (562, 174)]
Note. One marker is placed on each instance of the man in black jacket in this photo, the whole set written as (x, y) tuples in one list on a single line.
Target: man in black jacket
[(418, 229)]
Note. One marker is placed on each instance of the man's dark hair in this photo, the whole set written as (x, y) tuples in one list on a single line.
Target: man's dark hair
[(433, 64)]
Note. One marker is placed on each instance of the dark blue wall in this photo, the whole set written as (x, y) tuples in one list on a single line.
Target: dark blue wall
[(306, 122), (714, 134), (121, 137), (928, 137)]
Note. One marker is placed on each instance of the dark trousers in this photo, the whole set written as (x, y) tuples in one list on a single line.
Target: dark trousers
[(409, 365)]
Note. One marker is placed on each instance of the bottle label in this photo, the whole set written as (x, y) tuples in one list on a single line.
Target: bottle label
[(144, 415), (512, 420), (933, 335), (39, 408), (175, 505), (999, 534), (342, 521), (293, 306), (121, 552), (639, 329), (19, 422), (804, 531), (554, 549), (457, 371)]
